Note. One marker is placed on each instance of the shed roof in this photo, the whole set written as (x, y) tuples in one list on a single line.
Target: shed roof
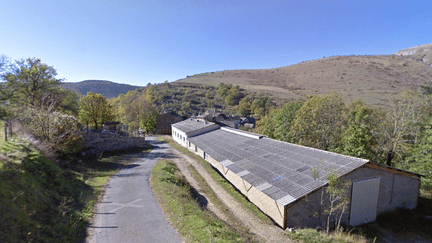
[(283, 171), (190, 125)]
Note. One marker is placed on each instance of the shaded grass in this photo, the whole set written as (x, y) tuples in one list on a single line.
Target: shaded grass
[(402, 225), (40, 202), (194, 223), (313, 236), (43, 202), (221, 181)]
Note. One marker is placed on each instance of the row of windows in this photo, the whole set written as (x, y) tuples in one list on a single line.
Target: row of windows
[(179, 136)]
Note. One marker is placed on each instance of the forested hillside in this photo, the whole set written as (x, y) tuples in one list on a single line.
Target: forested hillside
[(139, 108), (106, 88)]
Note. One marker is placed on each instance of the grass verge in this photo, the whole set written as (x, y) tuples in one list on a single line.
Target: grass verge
[(313, 236), (43, 202), (175, 195)]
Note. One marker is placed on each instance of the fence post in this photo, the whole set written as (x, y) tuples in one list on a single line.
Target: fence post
[(5, 130), (10, 128)]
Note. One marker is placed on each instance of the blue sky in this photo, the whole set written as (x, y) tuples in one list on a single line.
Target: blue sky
[(137, 42)]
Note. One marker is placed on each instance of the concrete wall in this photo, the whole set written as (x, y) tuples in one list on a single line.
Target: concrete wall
[(305, 212), (111, 142), (266, 204), (396, 190)]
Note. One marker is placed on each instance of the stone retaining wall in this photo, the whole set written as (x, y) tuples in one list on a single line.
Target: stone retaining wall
[(111, 142)]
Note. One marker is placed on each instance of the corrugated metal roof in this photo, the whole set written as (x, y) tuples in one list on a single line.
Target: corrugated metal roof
[(242, 173), (285, 169), (263, 186)]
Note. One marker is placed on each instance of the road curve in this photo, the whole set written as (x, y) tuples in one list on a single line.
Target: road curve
[(128, 211)]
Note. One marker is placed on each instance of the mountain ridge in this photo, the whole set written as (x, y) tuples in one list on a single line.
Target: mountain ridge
[(371, 78), (107, 88)]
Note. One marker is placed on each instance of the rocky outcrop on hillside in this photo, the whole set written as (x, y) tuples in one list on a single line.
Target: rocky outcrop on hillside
[(422, 53)]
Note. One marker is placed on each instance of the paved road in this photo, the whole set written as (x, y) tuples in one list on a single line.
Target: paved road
[(128, 211)]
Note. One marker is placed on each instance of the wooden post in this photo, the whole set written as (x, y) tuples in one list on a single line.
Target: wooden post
[(5, 130)]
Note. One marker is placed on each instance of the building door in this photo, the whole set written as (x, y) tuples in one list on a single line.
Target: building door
[(364, 201)]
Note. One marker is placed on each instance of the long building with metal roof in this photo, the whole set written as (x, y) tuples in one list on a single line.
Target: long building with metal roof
[(284, 179)]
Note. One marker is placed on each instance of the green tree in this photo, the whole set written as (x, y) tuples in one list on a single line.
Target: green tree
[(402, 124), (318, 122), (261, 106), (245, 104), (284, 118), (29, 83), (148, 123), (420, 158), (135, 110), (334, 197), (357, 136), (60, 131), (32, 84), (337, 191), (266, 125), (95, 110), (223, 90), (231, 100)]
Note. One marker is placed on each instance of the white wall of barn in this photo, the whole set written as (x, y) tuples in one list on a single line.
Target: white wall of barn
[(179, 136)]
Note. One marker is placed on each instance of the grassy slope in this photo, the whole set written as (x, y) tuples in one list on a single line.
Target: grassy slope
[(39, 201), (42, 202), (372, 78)]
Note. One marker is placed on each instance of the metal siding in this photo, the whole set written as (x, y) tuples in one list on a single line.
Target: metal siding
[(364, 201)]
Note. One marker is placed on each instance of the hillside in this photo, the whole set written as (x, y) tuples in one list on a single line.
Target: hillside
[(373, 79), (106, 88)]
